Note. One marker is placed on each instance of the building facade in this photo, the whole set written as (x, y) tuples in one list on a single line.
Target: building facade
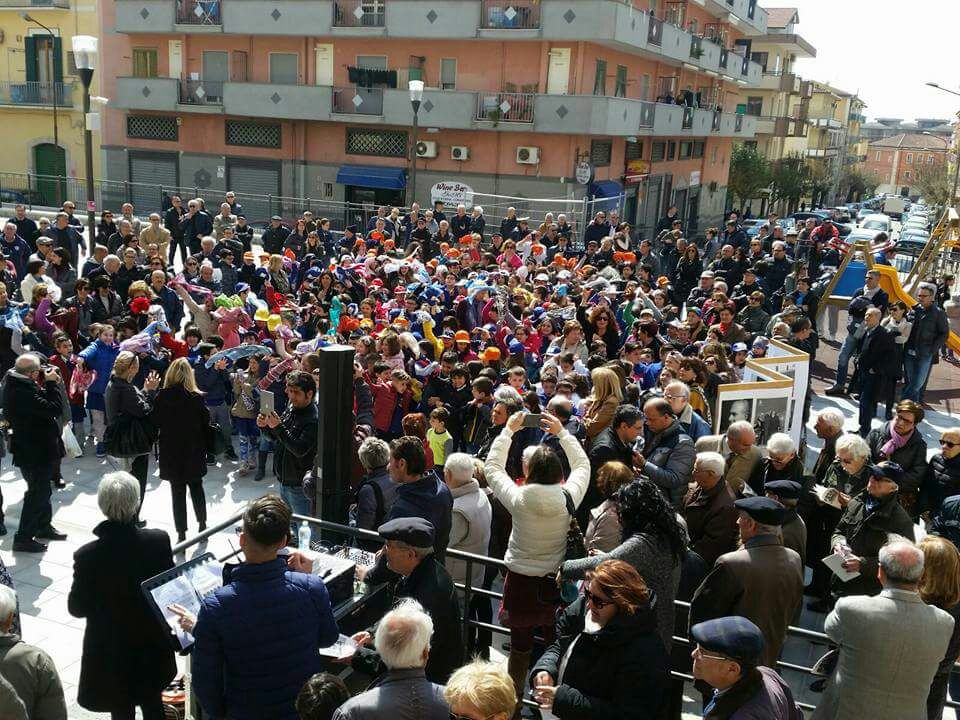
[(211, 94), (896, 161), (41, 97)]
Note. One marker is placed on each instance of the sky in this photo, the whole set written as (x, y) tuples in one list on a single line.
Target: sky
[(885, 51)]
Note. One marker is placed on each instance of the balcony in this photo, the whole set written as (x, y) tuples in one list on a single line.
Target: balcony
[(357, 101), (201, 93), (822, 152), (753, 17), (36, 94), (505, 107), (824, 122), (780, 82), (35, 4), (147, 93), (655, 32), (202, 13), (510, 15), (270, 100), (776, 126), (359, 14)]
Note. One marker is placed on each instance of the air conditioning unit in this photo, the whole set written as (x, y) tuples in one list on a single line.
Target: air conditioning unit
[(426, 149), (459, 152), (527, 155)]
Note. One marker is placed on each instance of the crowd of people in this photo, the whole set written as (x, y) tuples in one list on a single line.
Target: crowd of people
[(538, 393)]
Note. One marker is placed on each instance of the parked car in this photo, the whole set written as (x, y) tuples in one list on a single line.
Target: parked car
[(877, 222)]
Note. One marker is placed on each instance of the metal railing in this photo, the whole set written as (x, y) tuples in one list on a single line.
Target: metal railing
[(359, 13), (36, 93), (199, 12), (357, 101), (696, 47), (724, 56), (655, 31), (715, 121), (687, 118), (505, 15), (35, 3), (468, 590), (648, 111), (200, 92), (505, 107), (738, 123)]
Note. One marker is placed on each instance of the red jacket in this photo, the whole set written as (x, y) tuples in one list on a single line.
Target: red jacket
[(385, 402)]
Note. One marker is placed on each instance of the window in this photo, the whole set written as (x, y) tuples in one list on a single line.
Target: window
[(284, 68), (372, 62), (385, 143), (671, 149), (929, 159), (152, 127), (755, 106), (877, 158), (658, 154), (698, 148), (600, 78), (906, 175), (686, 149), (633, 151), (762, 58), (909, 158), (713, 156), (448, 73), (252, 134), (621, 89), (145, 62), (645, 87), (600, 152)]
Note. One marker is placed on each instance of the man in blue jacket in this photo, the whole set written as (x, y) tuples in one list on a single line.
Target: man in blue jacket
[(256, 638)]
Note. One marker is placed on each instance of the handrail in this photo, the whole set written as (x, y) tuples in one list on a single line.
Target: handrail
[(467, 588)]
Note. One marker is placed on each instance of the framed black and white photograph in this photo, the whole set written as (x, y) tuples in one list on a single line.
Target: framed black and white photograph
[(770, 415), (734, 410)]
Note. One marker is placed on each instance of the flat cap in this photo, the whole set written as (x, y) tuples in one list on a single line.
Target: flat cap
[(276, 217), (764, 510), (786, 489), (413, 531), (733, 636), (887, 469)]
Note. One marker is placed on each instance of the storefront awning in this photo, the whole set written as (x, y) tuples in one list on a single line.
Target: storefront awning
[(607, 195), (368, 176)]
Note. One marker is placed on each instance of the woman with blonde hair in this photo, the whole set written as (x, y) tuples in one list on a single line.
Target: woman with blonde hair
[(183, 420), (603, 401), (278, 276), (480, 690), (126, 403), (940, 587)]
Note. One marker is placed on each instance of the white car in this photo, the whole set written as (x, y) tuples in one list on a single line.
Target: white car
[(878, 222)]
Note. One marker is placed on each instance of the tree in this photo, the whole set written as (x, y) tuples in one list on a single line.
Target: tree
[(818, 182), (749, 173), (855, 183), (788, 179), (934, 184)]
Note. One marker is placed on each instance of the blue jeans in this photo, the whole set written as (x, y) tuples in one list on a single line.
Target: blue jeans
[(846, 352), (299, 503), (916, 368)]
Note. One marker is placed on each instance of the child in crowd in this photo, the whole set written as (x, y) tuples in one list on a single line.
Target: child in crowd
[(439, 438)]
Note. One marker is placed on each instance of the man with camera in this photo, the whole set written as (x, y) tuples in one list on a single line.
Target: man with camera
[(32, 406)]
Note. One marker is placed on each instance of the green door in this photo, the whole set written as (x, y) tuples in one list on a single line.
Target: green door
[(50, 162)]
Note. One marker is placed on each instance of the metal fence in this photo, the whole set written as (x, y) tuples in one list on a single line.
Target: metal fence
[(359, 13), (36, 93), (506, 15), (506, 107), (201, 92), (199, 12), (358, 100)]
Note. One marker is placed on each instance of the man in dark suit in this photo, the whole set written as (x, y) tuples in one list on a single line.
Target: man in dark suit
[(409, 553), (171, 221), (875, 355), (196, 225), (66, 236), (614, 443), (763, 581)]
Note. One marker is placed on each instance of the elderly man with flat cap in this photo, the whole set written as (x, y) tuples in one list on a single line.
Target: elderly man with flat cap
[(763, 580), (409, 553), (727, 658), (793, 529)]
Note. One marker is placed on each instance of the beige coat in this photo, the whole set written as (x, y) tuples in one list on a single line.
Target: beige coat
[(603, 532), (738, 467)]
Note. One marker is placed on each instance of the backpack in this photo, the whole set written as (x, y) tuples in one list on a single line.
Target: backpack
[(858, 307)]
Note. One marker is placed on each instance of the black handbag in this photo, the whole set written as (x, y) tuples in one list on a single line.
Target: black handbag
[(216, 445), (129, 436), (576, 545)]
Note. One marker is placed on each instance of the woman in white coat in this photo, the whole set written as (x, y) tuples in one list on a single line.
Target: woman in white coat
[(538, 540)]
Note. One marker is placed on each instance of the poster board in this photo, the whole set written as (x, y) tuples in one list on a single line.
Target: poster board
[(771, 395)]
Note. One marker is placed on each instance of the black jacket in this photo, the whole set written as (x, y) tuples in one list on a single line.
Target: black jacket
[(878, 353), (912, 457), (69, 239), (941, 481), (460, 226), (946, 521), (621, 672), (34, 416), (171, 221), (866, 533), (182, 419), (106, 310), (929, 332), (296, 438), (273, 239), (431, 585), (127, 653), (125, 399), (201, 224)]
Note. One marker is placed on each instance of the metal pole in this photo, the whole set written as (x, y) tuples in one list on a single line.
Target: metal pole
[(413, 153), (86, 75)]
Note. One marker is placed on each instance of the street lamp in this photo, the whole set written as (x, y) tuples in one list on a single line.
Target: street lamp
[(53, 84), (416, 96), (85, 56)]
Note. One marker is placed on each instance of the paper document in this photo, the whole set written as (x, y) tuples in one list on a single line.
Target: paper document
[(343, 647), (835, 563), (828, 496), (186, 590)]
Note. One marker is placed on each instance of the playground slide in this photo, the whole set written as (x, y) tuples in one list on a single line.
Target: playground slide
[(890, 282)]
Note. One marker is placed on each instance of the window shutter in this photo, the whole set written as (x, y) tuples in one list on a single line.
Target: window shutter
[(57, 60), (30, 50)]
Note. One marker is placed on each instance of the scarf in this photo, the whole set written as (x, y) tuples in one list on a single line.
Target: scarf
[(895, 442)]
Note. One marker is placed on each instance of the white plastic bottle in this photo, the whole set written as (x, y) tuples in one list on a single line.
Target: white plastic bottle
[(303, 536)]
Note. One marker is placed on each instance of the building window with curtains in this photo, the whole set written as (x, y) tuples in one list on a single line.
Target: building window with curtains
[(145, 63), (600, 78), (621, 89)]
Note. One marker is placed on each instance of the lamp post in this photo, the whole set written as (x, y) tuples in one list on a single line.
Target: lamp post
[(416, 96), (85, 56), (956, 160), (53, 84)]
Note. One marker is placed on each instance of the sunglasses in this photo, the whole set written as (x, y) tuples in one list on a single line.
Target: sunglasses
[(948, 443), (598, 602)]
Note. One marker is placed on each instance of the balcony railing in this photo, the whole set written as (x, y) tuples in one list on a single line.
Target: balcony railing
[(647, 114), (199, 12), (696, 46), (738, 122), (36, 93), (687, 118), (359, 13), (724, 55), (752, 9), (200, 92), (505, 15), (506, 107), (35, 3), (715, 123), (655, 31), (358, 101), (745, 65)]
